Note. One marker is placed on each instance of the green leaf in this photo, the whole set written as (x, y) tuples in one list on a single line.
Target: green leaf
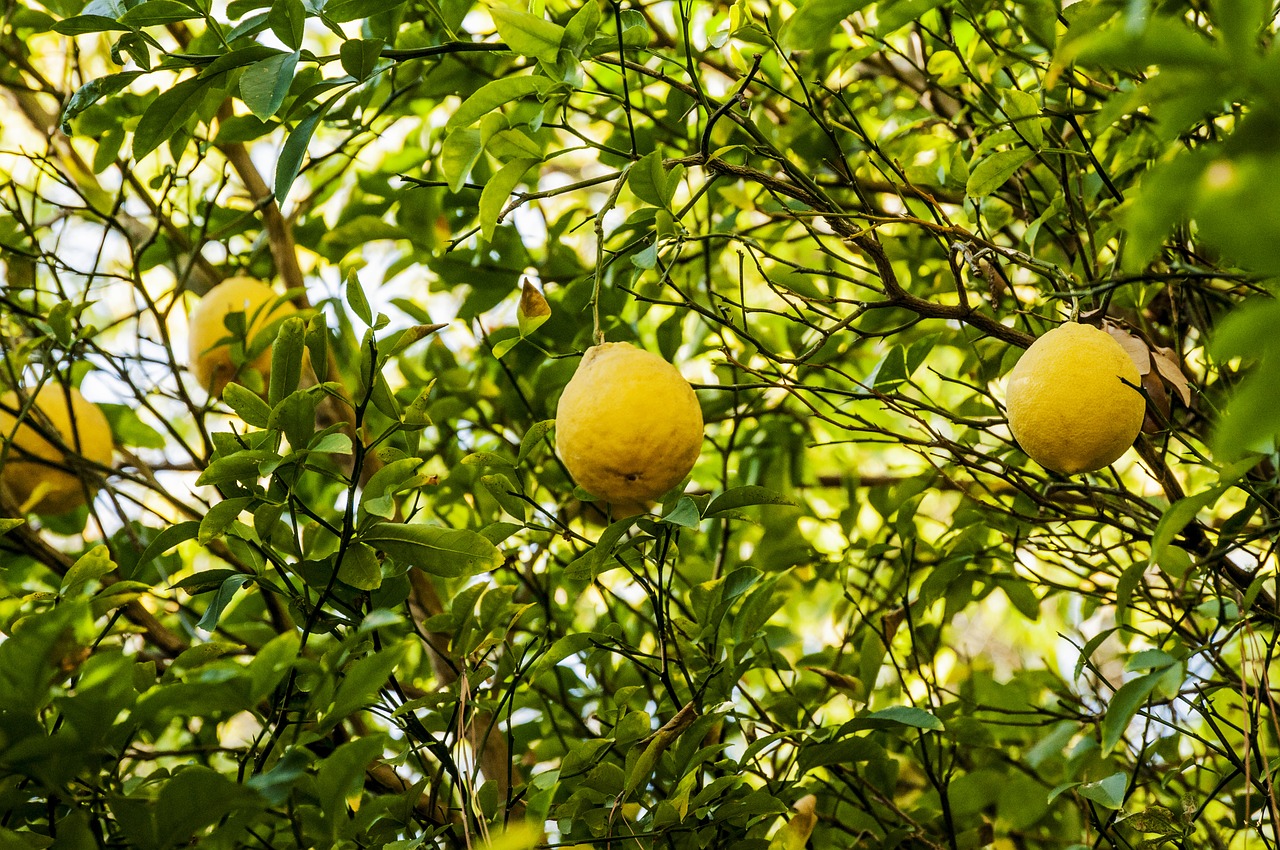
[(534, 437), (582, 28), (168, 114), (295, 148), (204, 581), (530, 35), (331, 444), (90, 566), (220, 517), (498, 190), (8, 524), (129, 429), (81, 24), (458, 155), (275, 785), (317, 341), (341, 775), (994, 170), (263, 85), (642, 762), (590, 564), (392, 478), (164, 541), (287, 19), (359, 56), (814, 23), (684, 514), (1107, 792), (447, 552), (409, 336), (93, 91), (906, 715), (357, 300), (742, 497), (489, 97), (895, 14), (341, 11), (1024, 111), (156, 12), (1124, 704), (1163, 41), (360, 568), (361, 683), (286, 359), (502, 346), (239, 469), (506, 494), (648, 180), (1154, 819), (247, 404), (194, 798), (1160, 202), (220, 601), (295, 415), (239, 58)]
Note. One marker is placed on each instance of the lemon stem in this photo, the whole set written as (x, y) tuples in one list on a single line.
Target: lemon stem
[(597, 334)]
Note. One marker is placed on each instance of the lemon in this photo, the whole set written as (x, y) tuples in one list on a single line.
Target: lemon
[(209, 338), (1072, 400), (628, 425), (34, 472)]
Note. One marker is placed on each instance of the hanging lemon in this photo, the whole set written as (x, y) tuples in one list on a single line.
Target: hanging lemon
[(38, 473), (628, 425), (210, 350), (1072, 400)]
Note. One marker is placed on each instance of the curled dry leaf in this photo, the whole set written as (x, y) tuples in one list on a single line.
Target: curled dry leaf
[(795, 833), (997, 283), (1166, 363), (533, 309), (1166, 370), (1157, 400), (1132, 345)]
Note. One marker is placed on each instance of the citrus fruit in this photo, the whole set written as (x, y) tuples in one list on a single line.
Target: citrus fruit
[(209, 337), (628, 425), (34, 473), (1072, 400)]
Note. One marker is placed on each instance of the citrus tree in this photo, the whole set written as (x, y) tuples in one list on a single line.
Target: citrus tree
[(306, 565)]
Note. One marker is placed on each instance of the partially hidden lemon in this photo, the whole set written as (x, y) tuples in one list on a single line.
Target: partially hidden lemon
[(1072, 400), (628, 426), (37, 474), (210, 350)]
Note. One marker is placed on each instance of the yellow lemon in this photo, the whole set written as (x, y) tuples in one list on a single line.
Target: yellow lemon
[(209, 338), (35, 472), (1072, 402), (628, 426)]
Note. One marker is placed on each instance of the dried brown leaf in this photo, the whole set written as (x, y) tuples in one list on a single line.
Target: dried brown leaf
[(1168, 367), (1132, 345), (1157, 399)]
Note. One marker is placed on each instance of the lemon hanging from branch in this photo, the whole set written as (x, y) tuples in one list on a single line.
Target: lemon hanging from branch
[(628, 425), (210, 343), (44, 455), (1073, 401)]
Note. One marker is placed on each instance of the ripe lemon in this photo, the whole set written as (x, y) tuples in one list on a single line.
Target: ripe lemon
[(34, 473), (208, 335), (1072, 402), (628, 426)]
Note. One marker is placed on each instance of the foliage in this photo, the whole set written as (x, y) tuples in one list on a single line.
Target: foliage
[(360, 604)]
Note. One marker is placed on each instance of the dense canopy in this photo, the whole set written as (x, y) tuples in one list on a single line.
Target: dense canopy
[(355, 599)]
